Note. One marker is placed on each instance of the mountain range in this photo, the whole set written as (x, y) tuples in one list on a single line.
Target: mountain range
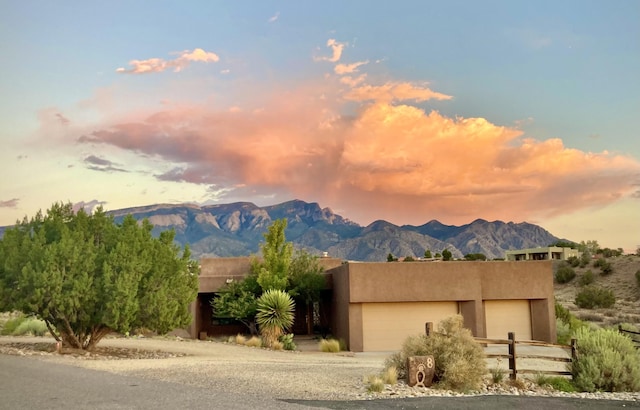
[(237, 229)]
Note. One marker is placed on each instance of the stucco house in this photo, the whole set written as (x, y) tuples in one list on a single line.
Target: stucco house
[(375, 306), (542, 253)]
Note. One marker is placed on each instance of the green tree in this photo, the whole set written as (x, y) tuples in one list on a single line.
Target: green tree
[(273, 270), (408, 259), (274, 315), (427, 254), (239, 301), (86, 276), (590, 246), (306, 281), (391, 258), (446, 255)]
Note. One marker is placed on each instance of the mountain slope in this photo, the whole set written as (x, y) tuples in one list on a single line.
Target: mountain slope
[(236, 229)]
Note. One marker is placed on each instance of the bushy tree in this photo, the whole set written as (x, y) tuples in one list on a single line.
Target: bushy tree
[(565, 273), (239, 301), (446, 255), (475, 257), (273, 270), (591, 297), (85, 276), (427, 254)]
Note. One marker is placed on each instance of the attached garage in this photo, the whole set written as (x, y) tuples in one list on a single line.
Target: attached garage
[(385, 326), (504, 316)]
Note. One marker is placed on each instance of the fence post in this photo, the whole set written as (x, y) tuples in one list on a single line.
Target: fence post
[(574, 350), (512, 355), (428, 328)]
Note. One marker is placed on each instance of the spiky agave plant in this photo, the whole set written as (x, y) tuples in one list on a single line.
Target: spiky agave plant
[(274, 314)]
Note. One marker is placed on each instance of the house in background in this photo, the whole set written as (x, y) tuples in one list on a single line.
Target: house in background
[(540, 254), (375, 306)]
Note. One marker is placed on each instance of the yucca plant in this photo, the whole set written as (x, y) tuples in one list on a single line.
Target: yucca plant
[(274, 315)]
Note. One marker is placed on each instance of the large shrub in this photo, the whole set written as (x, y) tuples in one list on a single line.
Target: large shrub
[(591, 297), (460, 361), (638, 276), (587, 278), (565, 274), (606, 360)]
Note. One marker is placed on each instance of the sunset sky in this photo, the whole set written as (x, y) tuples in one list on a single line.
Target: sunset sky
[(406, 111)]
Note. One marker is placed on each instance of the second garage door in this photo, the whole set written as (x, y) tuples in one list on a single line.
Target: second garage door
[(385, 326), (504, 316)]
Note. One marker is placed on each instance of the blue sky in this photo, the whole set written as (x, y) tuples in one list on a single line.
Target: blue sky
[(406, 111)]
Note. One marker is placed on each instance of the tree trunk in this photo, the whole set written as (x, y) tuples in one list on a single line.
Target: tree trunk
[(309, 318)]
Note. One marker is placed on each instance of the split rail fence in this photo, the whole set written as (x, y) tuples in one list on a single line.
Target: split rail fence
[(635, 336), (513, 356)]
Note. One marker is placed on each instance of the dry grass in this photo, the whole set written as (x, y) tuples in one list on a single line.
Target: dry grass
[(390, 375), (623, 284), (329, 345), (255, 341), (374, 383), (240, 339)]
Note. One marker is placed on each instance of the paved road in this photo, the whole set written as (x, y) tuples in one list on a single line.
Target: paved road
[(27, 383)]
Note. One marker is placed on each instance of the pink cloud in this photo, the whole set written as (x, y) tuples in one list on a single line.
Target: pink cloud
[(341, 69), (157, 65), (392, 161), (394, 91)]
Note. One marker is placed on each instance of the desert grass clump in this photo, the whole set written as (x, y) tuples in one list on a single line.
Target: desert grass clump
[(390, 375), (240, 339), (374, 383), (606, 361), (555, 382), (497, 373), (255, 341), (329, 345), (459, 360), (277, 345), (31, 326)]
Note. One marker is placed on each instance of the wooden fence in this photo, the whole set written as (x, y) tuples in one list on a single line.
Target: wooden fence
[(513, 356), (635, 336)]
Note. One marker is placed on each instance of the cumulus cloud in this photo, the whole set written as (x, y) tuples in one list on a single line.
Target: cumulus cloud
[(10, 203), (396, 161), (274, 18), (336, 51), (89, 206), (157, 65)]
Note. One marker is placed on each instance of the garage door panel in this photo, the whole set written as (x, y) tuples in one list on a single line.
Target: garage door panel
[(385, 326), (504, 316)]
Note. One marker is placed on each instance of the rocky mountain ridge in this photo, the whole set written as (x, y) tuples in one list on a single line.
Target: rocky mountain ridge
[(236, 229)]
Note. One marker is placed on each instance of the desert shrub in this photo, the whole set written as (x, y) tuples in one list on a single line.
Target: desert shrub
[(287, 342), (277, 345), (497, 374), (555, 382), (329, 345), (598, 263), (606, 361), (638, 276), (255, 341), (390, 375), (12, 324), (566, 324), (459, 360), (31, 326), (518, 384), (591, 297), (573, 261), (374, 384), (585, 258), (606, 269), (565, 274), (587, 278), (240, 339)]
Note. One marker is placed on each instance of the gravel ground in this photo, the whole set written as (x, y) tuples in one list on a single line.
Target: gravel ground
[(301, 375)]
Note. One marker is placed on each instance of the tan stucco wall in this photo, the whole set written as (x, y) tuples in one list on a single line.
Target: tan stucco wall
[(468, 283)]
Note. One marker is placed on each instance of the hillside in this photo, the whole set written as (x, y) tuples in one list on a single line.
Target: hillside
[(622, 282)]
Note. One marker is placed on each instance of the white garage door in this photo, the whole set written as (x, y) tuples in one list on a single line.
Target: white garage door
[(504, 316), (385, 326)]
